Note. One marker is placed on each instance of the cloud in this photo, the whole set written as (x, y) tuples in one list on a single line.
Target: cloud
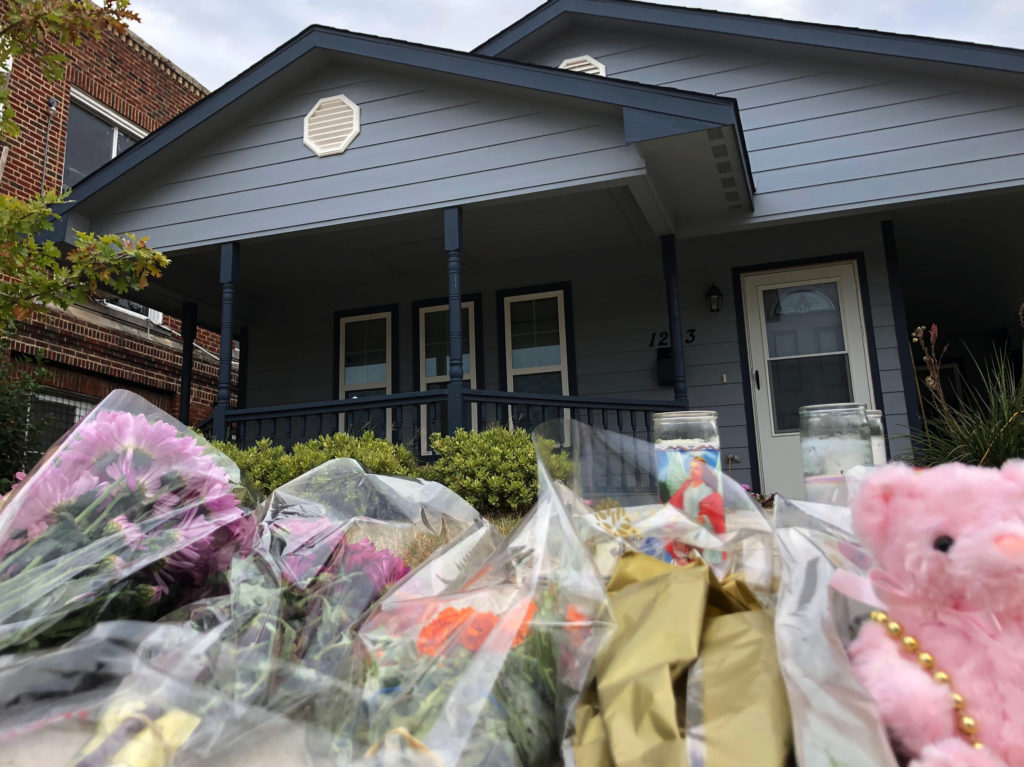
[(214, 40)]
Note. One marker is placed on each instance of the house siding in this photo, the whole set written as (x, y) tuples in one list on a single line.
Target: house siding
[(425, 141), (830, 131)]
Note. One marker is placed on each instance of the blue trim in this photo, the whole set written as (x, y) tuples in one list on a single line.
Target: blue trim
[(741, 331), (714, 110), (759, 27), (899, 313), (644, 125), (748, 397)]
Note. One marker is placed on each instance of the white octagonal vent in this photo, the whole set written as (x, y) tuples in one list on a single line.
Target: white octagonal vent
[(586, 64), (331, 125)]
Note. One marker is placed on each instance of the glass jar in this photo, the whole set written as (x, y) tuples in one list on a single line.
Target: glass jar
[(833, 439), (877, 437), (682, 439)]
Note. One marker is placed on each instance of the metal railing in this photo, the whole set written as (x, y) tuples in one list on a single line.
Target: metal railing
[(609, 438)]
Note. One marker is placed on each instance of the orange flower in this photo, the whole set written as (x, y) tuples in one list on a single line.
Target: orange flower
[(524, 627), (477, 629), (434, 635), (577, 633)]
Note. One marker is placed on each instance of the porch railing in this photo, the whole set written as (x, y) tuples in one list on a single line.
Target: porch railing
[(614, 454)]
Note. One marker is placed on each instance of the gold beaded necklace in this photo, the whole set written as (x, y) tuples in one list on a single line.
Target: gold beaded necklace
[(965, 724)]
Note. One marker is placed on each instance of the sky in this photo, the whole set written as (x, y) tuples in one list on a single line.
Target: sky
[(214, 40)]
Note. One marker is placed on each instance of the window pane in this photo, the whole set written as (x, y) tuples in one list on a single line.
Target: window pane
[(803, 320), (124, 140), (534, 333), (90, 144), (53, 416), (366, 352), (806, 381), (435, 343), (538, 383)]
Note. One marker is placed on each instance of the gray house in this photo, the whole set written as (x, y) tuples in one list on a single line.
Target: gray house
[(637, 208)]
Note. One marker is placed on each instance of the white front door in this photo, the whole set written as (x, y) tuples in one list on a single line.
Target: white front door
[(807, 345)]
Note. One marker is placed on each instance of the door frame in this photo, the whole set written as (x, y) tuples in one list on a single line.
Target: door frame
[(741, 330)]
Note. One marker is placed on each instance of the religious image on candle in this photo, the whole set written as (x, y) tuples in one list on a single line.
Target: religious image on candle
[(688, 478)]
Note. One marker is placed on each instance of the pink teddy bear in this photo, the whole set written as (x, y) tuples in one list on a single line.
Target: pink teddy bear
[(949, 547)]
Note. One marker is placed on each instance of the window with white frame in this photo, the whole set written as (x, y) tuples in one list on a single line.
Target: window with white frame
[(365, 369), (95, 135), (536, 361), (434, 362)]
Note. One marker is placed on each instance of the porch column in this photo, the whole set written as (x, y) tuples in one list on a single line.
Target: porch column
[(189, 318), (675, 325), (899, 313), (453, 246), (228, 280), (243, 367)]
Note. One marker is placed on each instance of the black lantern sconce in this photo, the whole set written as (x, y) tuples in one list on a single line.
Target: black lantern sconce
[(714, 298)]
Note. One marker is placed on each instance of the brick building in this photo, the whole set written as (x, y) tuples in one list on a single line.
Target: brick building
[(116, 91)]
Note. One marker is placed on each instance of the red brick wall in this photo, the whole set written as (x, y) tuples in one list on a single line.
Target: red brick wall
[(94, 359), (120, 72), (130, 78)]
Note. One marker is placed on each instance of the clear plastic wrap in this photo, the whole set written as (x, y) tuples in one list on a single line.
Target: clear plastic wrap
[(615, 511), (691, 672), (276, 648), (129, 515), (835, 722), (488, 670)]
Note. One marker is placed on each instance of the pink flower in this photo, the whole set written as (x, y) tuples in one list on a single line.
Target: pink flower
[(382, 567), (133, 535), (36, 505), (309, 545)]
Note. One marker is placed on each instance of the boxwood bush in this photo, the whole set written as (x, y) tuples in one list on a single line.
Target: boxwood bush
[(269, 466), (494, 470)]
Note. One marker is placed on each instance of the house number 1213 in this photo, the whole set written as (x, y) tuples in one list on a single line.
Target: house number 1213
[(661, 338)]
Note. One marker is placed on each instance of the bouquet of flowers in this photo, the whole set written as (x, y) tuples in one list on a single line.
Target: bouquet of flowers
[(129, 516), (276, 647), (488, 670)]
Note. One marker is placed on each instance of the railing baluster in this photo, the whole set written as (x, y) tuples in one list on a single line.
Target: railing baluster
[(637, 450)]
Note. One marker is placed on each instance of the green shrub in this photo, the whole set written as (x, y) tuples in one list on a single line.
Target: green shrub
[(984, 426), (494, 470), (19, 434), (269, 466)]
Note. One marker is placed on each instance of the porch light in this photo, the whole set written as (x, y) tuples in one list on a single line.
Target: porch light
[(714, 298)]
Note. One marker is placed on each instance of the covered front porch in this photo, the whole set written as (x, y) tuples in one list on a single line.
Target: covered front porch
[(570, 307)]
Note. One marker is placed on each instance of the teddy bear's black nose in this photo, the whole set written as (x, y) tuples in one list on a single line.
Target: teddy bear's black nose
[(943, 543)]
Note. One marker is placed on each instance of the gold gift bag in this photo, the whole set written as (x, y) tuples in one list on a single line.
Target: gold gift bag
[(644, 708)]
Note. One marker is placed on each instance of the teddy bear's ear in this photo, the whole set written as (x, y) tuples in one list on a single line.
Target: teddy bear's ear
[(875, 505), (1013, 470)]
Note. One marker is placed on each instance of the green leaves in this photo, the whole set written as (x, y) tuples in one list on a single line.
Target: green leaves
[(36, 274), (47, 28), (494, 470), (269, 466), (983, 426)]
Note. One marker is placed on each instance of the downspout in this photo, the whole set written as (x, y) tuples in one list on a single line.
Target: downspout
[(51, 108)]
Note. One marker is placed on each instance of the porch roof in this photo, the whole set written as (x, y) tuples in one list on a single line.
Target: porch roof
[(852, 39), (650, 113)]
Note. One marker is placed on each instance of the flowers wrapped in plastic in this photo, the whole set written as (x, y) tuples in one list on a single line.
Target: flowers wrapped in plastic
[(277, 647), (488, 670), (130, 515), (690, 674)]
